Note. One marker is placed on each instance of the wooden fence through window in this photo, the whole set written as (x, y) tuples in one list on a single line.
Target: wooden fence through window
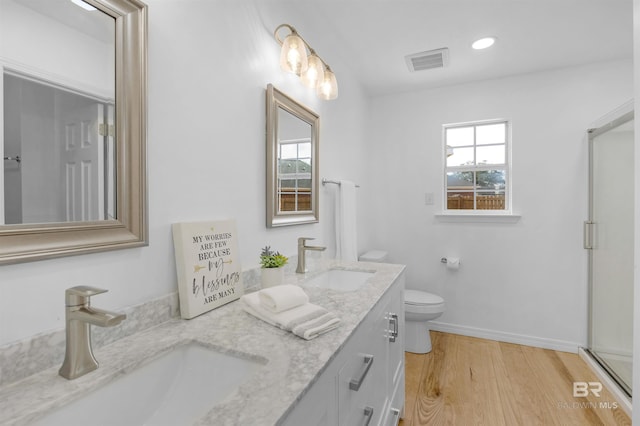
[(483, 202), (288, 199)]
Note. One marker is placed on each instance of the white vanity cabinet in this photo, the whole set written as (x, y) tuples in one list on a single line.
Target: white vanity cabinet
[(364, 383), (395, 373), (298, 383)]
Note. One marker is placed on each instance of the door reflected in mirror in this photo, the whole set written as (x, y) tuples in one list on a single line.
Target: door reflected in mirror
[(59, 112), (292, 161)]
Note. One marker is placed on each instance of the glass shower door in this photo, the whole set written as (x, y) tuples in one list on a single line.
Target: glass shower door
[(610, 239)]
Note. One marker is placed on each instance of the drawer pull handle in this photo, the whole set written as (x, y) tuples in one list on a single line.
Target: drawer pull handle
[(394, 334), (395, 416), (587, 235), (355, 384), (368, 414)]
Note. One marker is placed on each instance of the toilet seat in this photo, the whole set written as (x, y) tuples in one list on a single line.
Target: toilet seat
[(417, 297), (376, 256), (421, 302)]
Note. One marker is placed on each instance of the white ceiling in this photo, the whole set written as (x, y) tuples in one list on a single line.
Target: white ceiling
[(373, 37), (93, 23)]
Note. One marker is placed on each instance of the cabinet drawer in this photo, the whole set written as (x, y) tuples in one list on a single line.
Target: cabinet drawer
[(364, 384), (396, 348), (355, 388), (395, 410), (315, 407)]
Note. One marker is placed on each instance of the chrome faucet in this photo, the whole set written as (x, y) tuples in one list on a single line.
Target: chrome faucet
[(302, 249), (79, 315)]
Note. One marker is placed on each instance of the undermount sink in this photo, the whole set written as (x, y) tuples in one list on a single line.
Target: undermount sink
[(340, 279), (177, 388)]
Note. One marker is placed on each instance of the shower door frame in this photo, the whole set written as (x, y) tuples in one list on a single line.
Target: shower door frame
[(625, 114)]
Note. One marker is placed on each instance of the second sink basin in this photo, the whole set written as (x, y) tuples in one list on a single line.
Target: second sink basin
[(340, 279), (175, 389)]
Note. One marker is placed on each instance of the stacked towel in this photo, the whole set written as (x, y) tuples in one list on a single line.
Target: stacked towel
[(282, 297), (305, 320)]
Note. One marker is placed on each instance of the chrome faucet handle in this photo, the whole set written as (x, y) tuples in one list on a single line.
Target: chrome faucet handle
[(302, 240), (80, 295)]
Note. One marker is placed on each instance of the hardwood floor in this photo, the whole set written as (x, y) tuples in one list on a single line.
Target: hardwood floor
[(470, 381)]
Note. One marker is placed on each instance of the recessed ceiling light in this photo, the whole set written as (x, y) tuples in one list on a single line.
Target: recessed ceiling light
[(85, 6), (483, 43)]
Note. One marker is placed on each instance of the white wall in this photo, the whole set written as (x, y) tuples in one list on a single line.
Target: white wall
[(636, 231), (524, 281), (209, 65)]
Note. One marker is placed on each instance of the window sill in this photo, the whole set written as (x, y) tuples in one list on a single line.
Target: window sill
[(478, 217)]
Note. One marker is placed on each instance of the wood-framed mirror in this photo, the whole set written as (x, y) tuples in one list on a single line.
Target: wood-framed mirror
[(293, 137), (91, 59)]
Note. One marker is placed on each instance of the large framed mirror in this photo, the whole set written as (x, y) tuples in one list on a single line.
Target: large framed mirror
[(73, 135), (293, 137)]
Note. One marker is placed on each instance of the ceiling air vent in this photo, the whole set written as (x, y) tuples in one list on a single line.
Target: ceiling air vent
[(438, 58)]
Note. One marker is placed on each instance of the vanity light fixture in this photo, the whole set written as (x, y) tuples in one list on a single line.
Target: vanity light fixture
[(85, 6), (299, 58), (483, 43)]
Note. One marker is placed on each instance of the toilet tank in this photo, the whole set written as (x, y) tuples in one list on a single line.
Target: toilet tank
[(378, 256)]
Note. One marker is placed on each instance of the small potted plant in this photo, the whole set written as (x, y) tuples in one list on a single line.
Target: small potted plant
[(272, 267)]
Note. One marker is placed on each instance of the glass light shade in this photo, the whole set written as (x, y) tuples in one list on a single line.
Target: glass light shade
[(314, 73), (293, 57), (449, 151), (328, 87)]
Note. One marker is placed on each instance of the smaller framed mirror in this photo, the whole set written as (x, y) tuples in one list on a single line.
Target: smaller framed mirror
[(293, 137)]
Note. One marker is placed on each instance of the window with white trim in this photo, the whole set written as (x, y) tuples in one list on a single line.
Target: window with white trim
[(294, 175), (477, 170)]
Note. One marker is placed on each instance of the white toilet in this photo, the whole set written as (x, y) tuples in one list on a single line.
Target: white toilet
[(420, 307)]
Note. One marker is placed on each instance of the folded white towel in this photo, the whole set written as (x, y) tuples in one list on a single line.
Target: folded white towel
[(316, 326), (284, 319), (251, 304), (307, 321), (282, 297)]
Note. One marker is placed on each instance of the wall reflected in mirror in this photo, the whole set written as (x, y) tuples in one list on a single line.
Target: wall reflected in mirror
[(59, 112), (61, 165)]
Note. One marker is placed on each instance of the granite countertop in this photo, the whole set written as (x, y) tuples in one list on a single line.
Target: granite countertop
[(290, 365)]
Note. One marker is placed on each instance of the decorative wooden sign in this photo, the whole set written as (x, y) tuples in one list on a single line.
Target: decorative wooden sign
[(209, 273)]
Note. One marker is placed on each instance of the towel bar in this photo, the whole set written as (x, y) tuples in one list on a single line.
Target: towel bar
[(335, 182)]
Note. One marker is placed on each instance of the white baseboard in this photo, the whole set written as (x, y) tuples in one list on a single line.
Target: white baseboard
[(500, 336), (618, 394)]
